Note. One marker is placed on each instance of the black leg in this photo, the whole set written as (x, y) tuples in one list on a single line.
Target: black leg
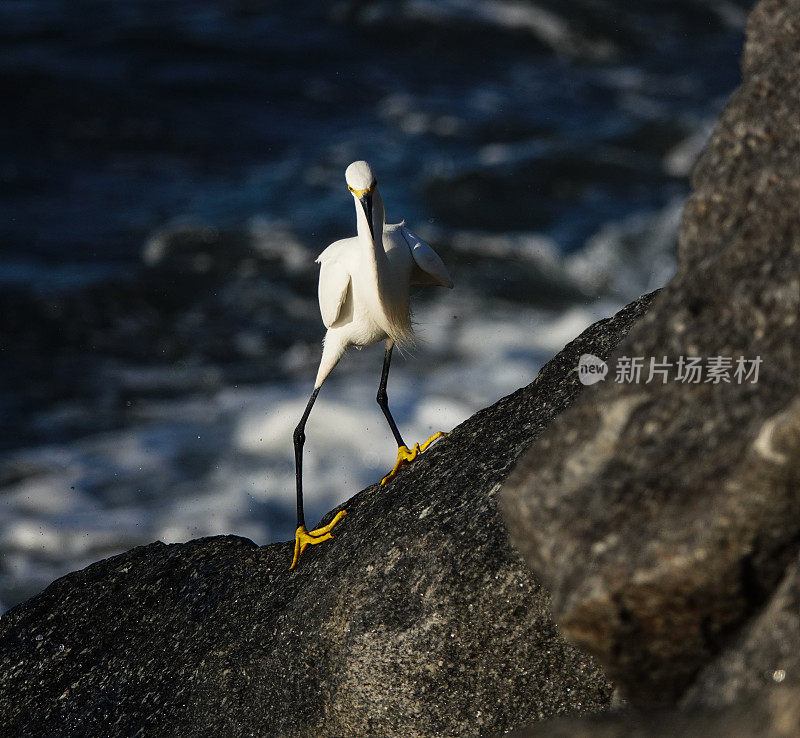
[(299, 440), (383, 399)]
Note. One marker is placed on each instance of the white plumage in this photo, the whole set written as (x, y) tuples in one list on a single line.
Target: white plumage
[(364, 285), (364, 281)]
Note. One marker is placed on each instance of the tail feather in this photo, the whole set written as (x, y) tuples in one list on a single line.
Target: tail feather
[(333, 348)]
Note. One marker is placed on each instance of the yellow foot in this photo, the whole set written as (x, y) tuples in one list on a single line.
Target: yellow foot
[(406, 456), (304, 538)]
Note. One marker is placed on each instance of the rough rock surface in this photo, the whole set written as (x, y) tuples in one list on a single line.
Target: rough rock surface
[(418, 619), (777, 715), (664, 515), (766, 654)]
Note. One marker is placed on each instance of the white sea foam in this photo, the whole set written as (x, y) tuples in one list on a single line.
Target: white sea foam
[(627, 258), (680, 159), (221, 461), (225, 464), (547, 27)]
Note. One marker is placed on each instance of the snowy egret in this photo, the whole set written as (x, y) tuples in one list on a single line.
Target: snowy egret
[(364, 286)]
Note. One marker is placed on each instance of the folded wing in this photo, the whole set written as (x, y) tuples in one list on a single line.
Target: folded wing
[(428, 268), (334, 283)]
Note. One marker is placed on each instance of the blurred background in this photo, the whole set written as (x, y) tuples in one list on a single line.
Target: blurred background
[(170, 169)]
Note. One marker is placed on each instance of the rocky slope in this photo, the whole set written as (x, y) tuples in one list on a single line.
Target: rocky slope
[(418, 619)]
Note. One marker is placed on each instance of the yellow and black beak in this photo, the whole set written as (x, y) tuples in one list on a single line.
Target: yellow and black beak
[(366, 203), (365, 198)]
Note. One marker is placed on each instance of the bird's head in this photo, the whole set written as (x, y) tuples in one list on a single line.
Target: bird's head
[(362, 183)]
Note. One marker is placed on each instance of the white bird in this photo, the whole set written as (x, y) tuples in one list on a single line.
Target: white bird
[(364, 285)]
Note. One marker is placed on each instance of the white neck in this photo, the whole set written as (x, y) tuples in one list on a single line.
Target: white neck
[(378, 218), (390, 296)]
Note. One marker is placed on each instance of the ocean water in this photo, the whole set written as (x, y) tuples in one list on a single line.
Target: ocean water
[(169, 172)]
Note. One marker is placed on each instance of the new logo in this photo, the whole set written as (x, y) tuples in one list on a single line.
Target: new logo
[(591, 369)]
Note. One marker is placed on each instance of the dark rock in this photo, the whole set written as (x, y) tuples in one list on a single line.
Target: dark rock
[(418, 619), (777, 716), (766, 654), (663, 516)]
